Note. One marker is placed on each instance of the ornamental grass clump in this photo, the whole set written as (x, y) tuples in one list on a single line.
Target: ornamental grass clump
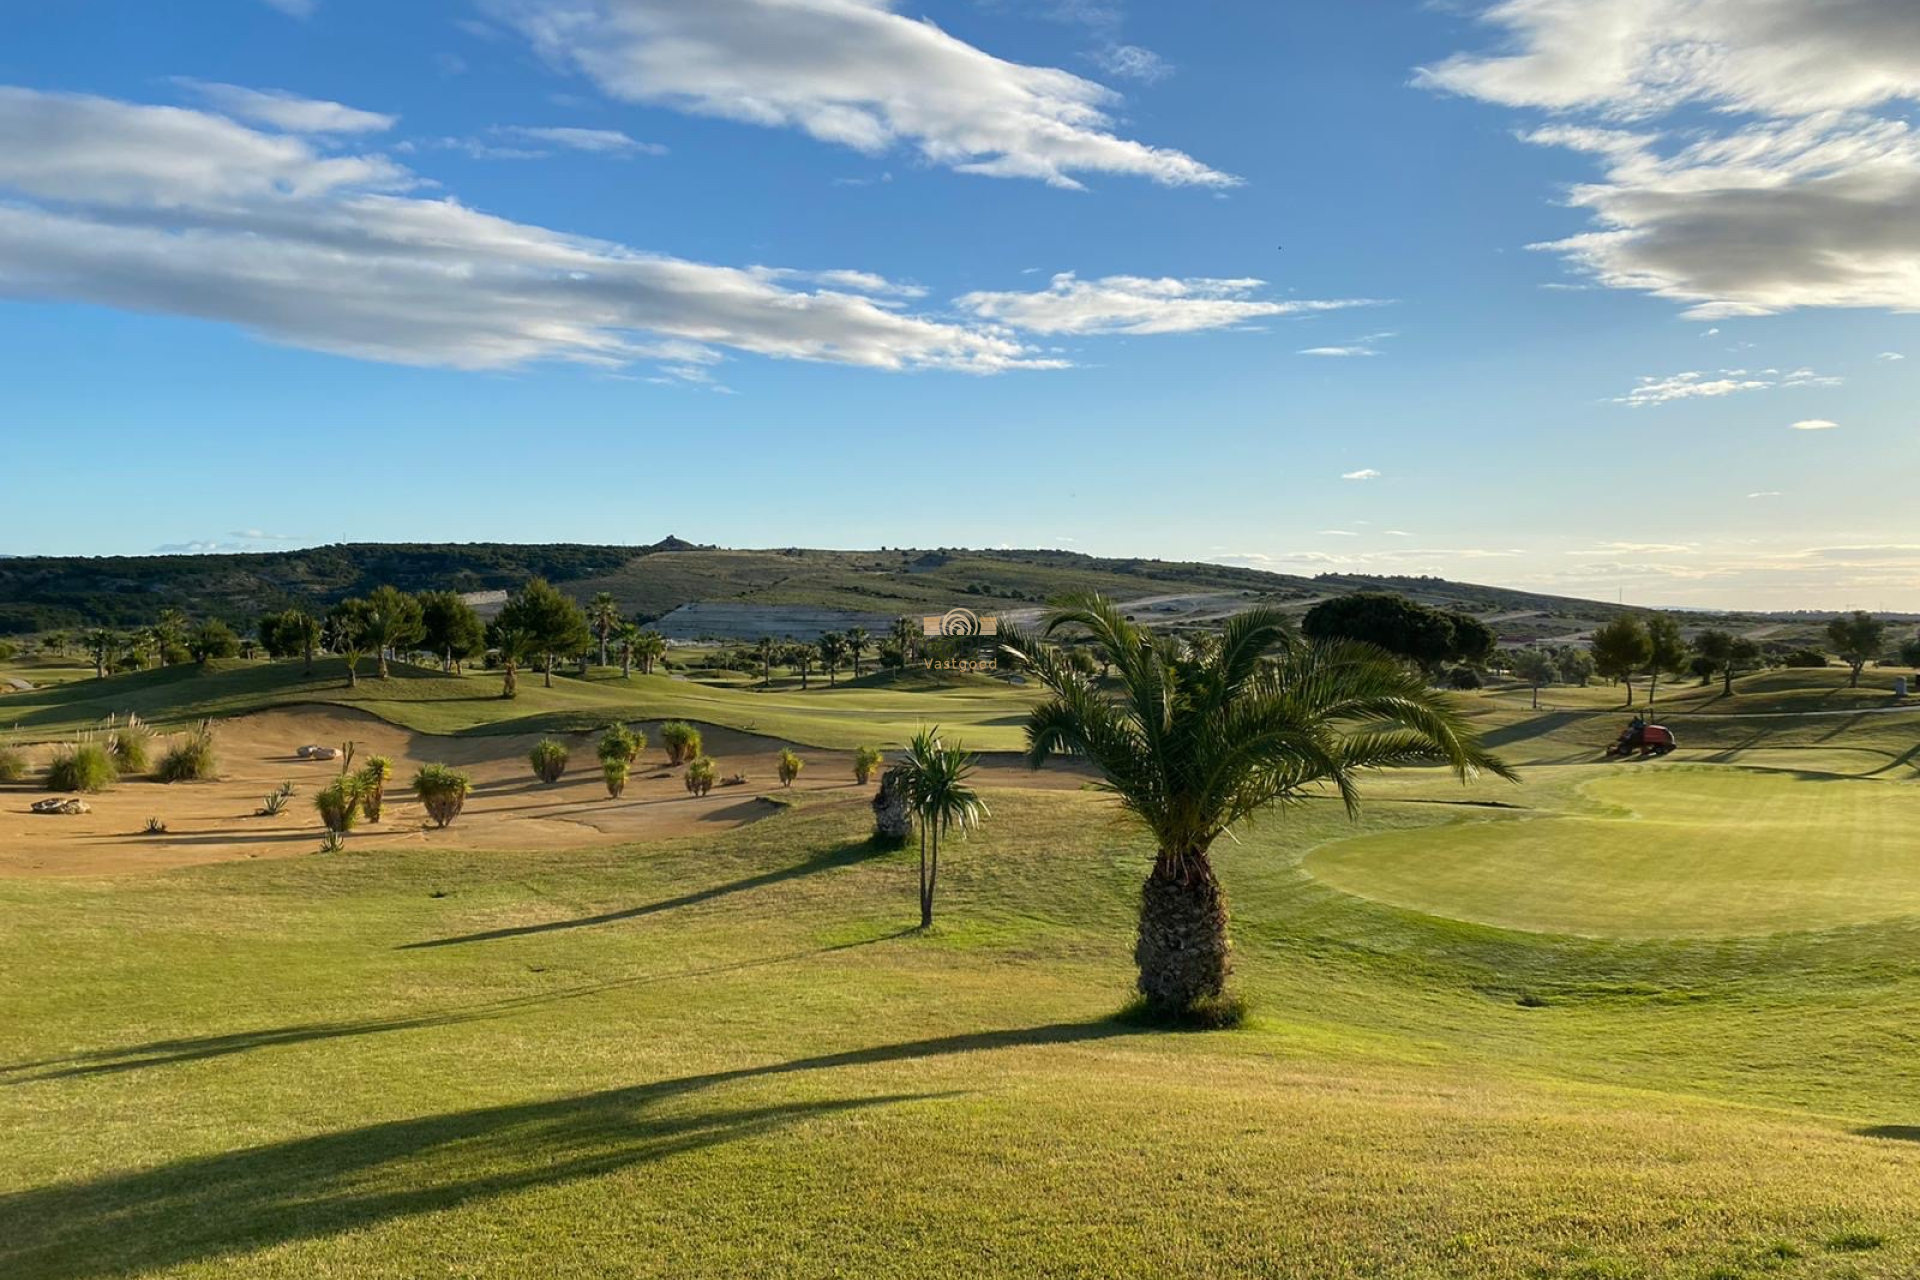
[(339, 804), (83, 765), (701, 775), (549, 759), (443, 791), (373, 776), (681, 740), (190, 758)]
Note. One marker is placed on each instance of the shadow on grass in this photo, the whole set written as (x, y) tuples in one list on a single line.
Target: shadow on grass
[(826, 860), (1891, 1132), (334, 1183)]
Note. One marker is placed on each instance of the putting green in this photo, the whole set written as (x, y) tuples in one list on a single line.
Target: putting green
[(1670, 852)]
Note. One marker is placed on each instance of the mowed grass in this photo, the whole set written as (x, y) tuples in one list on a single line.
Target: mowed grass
[(1666, 851), (730, 1057)]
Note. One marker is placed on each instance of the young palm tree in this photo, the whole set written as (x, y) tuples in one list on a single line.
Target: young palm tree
[(649, 647), (627, 635), (833, 652), (858, 642), (767, 650), (604, 616), (1196, 743), (904, 632), (800, 658), (935, 778), (169, 632)]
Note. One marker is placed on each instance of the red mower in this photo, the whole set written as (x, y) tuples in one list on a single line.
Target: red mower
[(1647, 739)]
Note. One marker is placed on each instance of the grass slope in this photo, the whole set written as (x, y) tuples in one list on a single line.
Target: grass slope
[(728, 1057)]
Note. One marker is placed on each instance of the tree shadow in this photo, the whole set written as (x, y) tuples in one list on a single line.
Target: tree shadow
[(846, 855), (307, 1188), (1891, 1132)]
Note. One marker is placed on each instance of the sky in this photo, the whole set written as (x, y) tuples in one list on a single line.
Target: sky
[(1608, 298)]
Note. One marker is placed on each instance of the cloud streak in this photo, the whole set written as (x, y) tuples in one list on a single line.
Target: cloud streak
[(1139, 305)]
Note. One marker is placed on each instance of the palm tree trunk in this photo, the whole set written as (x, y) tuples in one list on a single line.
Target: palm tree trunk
[(926, 896), (383, 662), (1182, 950)]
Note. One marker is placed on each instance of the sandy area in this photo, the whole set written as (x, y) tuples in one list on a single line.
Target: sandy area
[(509, 808)]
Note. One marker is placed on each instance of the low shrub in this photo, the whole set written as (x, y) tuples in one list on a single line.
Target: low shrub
[(1803, 658), (615, 774), (339, 804), (373, 785), (132, 745), (333, 842), (155, 827), (622, 744), (190, 758), (549, 759), (865, 761), (13, 764), (701, 775), (1464, 678), (681, 740), (443, 791), (790, 766), (85, 765), (276, 801)]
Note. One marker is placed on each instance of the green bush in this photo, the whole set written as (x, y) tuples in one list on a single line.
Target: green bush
[(443, 791), (190, 758), (701, 775), (85, 765), (790, 766), (13, 764), (549, 759), (339, 803), (1804, 658), (865, 761), (681, 740), (131, 745), (373, 785), (622, 744), (615, 773)]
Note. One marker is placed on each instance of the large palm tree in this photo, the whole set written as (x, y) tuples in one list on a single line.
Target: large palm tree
[(628, 636), (800, 658), (833, 652), (934, 776), (1196, 742), (603, 615)]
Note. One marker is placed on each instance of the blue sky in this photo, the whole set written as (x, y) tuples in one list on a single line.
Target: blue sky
[(1551, 302)]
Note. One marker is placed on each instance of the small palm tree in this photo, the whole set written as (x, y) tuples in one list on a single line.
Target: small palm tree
[(858, 642), (800, 658), (833, 652), (603, 615), (626, 635), (767, 650), (1195, 743), (935, 776), (904, 632), (649, 647)]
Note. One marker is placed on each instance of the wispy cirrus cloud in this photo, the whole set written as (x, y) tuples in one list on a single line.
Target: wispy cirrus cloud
[(1140, 305), (286, 111), (853, 73), (1695, 385), (1364, 473), (1815, 424)]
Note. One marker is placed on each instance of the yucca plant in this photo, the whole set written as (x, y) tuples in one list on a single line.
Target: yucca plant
[(934, 776), (701, 774), (373, 778), (339, 804), (865, 761), (333, 842), (1193, 743), (443, 791), (13, 764), (190, 758), (82, 765), (276, 801), (681, 740), (549, 759), (615, 774), (622, 744), (790, 766)]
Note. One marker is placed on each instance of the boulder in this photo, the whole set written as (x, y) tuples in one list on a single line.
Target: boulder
[(892, 821), (71, 804), (313, 751)]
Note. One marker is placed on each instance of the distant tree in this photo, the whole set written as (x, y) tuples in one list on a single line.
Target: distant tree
[(450, 627), (603, 614), (766, 651), (1620, 648), (1910, 653), (905, 633), (1536, 667), (1666, 651), (393, 623), (858, 642), (548, 619), (1576, 666), (649, 647), (800, 658), (102, 645), (1803, 658), (1473, 640), (170, 634), (348, 625), (213, 639), (833, 652), (514, 645), (290, 633), (1400, 626), (625, 636), (1080, 660), (1858, 639), (1725, 655)]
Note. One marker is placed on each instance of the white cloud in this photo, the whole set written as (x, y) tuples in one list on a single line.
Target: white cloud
[(853, 73), (603, 141), (1365, 473), (1138, 305), (1693, 385), (180, 212), (1890, 355), (1338, 533), (1799, 188), (287, 111), (1366, 345), (1765, 493), (1814, 424), (1131, 62)]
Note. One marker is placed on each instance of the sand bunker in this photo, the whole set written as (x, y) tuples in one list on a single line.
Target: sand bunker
[(509, 808)]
